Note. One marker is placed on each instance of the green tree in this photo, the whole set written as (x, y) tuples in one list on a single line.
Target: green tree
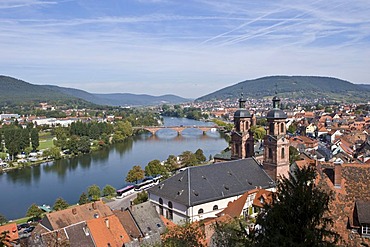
[(94, 192), (84, 145), (200, 155), (293, 154), (35, 138), (154, 168), (232, 233), (52, 152), (83, 199), (189, 234), (171, 163), (136, 173), (3, 219), (297, 214), (34, 211), (188, 158), (292, 128), (141, 197), (60, 204), (258, 132), (109, 191)]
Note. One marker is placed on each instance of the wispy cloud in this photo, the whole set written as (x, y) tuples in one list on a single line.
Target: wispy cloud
[(139, 45)]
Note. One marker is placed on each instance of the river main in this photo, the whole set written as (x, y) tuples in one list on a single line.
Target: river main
[(68, 178)]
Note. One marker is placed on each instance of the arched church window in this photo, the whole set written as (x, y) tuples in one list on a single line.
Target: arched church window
[(160, 206), (215, 207), (282, 153), (272, 128), (282, 128), (270, 153), (200, 211)]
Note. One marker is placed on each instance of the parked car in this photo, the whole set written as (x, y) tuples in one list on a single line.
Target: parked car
[(24, 225), (29, 229)]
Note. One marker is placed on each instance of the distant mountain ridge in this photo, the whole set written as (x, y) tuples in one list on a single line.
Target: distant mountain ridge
[(294, 87), (14, 91)]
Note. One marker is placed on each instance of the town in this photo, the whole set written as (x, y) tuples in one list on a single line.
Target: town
[(267, 143)]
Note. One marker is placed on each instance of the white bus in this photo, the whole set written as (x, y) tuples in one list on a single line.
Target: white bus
[(128, 190)]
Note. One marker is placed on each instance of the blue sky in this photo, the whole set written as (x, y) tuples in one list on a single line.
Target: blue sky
[(184, 47)]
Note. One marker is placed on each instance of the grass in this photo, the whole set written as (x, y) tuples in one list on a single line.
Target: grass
[(46, 140)]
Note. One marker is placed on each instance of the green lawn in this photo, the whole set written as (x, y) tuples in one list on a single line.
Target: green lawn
[(46, 141)]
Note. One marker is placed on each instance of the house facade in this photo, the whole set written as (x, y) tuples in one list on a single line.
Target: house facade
[(203, 191)]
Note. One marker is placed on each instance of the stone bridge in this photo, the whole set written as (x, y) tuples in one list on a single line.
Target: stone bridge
[(179, 129)]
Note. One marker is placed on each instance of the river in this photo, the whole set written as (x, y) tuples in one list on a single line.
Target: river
[(68, 178)]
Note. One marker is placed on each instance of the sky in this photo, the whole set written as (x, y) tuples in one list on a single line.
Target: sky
[(185, 47)]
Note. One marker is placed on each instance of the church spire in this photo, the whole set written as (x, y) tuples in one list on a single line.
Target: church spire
[(242, 101)]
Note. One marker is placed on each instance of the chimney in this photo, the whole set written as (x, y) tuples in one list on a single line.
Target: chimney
[(74, 211), (107, 223), (337, 175), (94, 205)]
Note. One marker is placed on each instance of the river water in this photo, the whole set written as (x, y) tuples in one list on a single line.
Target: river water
[(70, 177)]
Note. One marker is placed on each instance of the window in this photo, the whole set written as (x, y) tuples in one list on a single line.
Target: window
[(270, 153), (248, 147), (170, 211), (282, 153), (272, 128), (282, 128), (160, 206), (215, 207), (366, 229), (200, 211)]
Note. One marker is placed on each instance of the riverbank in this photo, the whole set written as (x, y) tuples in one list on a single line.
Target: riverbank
[(69, 177)]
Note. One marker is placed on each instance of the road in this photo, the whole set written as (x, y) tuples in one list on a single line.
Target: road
[(124, 203)]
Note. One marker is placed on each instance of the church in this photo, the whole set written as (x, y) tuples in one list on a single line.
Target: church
[(201, 192)]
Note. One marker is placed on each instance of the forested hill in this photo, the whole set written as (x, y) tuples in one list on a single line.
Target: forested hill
[(294, 87), (16, 92)]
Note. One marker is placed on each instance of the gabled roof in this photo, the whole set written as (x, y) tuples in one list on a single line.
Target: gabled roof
[(13, 231), (201, 184), (66, 217), (108, 231), (363, 211), (235, 208)]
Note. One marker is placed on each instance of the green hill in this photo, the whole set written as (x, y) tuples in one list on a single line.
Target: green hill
[(313, 87), (18, 92)]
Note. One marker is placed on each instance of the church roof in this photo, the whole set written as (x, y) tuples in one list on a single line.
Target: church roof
[(242, 113), (276, 114), (200, 184)]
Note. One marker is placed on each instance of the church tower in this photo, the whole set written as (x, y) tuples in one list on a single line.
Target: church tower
[(242, 141), (276, 143)]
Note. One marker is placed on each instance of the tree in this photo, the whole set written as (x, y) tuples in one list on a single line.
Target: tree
[(34, 211), (292, 128), (171, 163), (109, 191), (60, 204), (233, 232), (258, 132), (189, 234), (35, 138), (3, 219), (140, 197), (154, 168), (297, 214), (83, 145), (293, 154), (200, 155), (83, 199), (135, 174), (187, 158), (94, 192)]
